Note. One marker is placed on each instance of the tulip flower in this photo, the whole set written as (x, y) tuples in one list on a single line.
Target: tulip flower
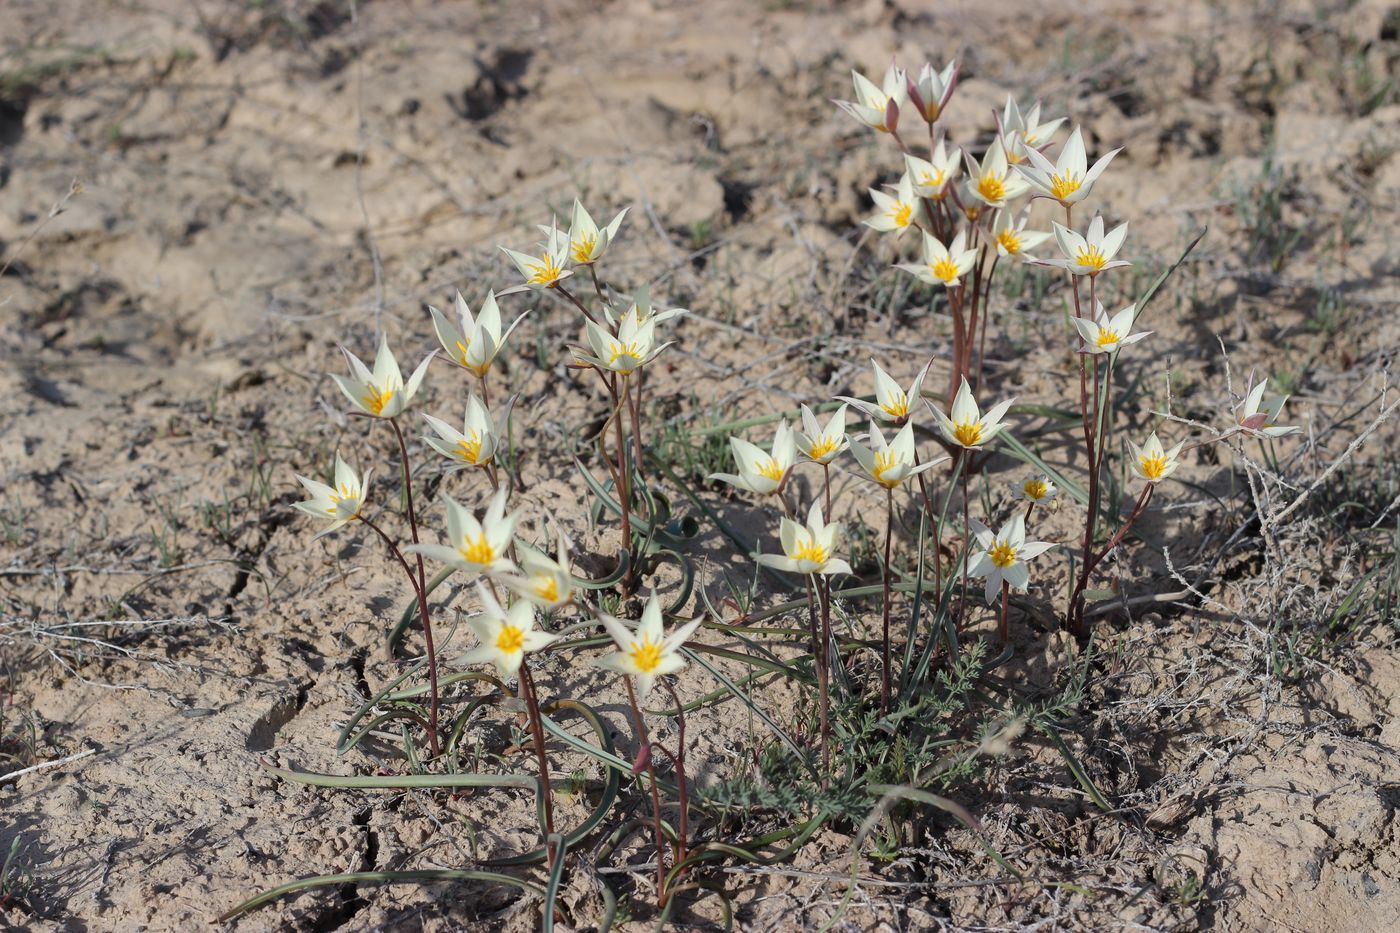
[(1037, 489), (1260, 415), (892, 404), (476, 444), (1107, 334), (1151, 461), (878, 107), (546, 581), (1019, 134), (818, 444), (631, 348), (943, 265), (337, 504), (1089, 254), (646, 652), (897, 212), (991, 180), (931, 90), (1069, 179), (642, 311), (381, 393), (504, 635), (808, 548), (968, 427), (893, 463), (760, 472), (473, 343), (931, 177), (1011, 236), (478, 546), (1003, 555), (587, 241), (545, 268)]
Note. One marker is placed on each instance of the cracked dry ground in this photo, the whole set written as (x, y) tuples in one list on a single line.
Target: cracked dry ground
[(166, 341)]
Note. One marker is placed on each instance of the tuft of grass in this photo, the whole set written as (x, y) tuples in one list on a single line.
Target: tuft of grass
[(1261, 207)]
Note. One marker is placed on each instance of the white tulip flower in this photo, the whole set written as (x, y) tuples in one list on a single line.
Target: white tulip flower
[(504, 635), (380, 393), (476, 444), (897, 212), (808, 549), (892, 404), (646, 652), (587, 241), (1260, 415), (893, 463), (1107, 334), (544, 269), (338, 504), (761, 472), (1037, 489), (818, 444), (878, 107), (1011, 236), (632, 347), (931, 90), (1003, 556), (546, 581), (478, 546), (473, 342), (943, 265), (1069, 179), (1089, 254), (968, 427), (931, 177), (991, 180), (1020, 133), (1153, 462)]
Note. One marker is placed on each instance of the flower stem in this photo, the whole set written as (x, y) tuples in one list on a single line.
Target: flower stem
[(427, 628), (824, 676), (644, 748), (623, 495), (679, 761), (576, 303), (1004, 630), (532, 705), (422, 588), (885, 607)]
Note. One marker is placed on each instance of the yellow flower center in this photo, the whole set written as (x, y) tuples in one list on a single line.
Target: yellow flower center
[(629, 350), (510, 640), (544, 271), (548, 590), (1091, 256), (901, 213), (945, 269), (1108, 338), (1035, 489), (770, 469), (1009, 241), (967, 433), (1002, 554), (821, 447), (898, 406), (375, 399), (1153, 467), (462, 346), (934, 180), (583, 248), (810, 550), (470, 448), (479, 552), (884, 462), (646, 655), (1062, 186), (992, 187)]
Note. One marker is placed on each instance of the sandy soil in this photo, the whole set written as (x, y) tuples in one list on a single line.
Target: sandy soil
[(263, 181)]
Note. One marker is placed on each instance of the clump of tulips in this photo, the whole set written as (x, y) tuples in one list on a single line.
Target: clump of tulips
[(967, 213)]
